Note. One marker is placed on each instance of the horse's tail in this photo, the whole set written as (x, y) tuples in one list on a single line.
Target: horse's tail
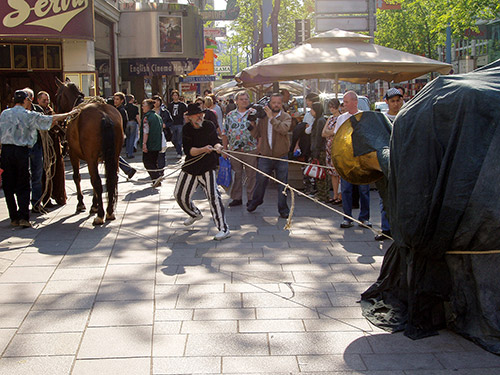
[(109, 158)]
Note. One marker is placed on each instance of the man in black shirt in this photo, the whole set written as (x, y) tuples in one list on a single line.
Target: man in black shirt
[(177, 110), (199, 137), (118, 100), (132, 125)]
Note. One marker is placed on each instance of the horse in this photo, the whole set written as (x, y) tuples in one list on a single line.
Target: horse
[(94, 135)]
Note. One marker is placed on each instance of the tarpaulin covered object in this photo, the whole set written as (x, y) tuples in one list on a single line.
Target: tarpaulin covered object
[(444, 208)]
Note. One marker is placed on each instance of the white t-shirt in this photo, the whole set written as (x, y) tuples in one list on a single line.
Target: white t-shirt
[(309, 119), (391, 117), (270, 131), (343, 118)]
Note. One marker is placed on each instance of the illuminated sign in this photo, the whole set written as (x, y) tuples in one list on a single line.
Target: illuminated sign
[(58, 18)]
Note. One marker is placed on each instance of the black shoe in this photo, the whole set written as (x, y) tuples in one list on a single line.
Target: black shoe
[(284, 215), (131, 173), (346, 224), (235, 202), (251, 206), (381, 237)]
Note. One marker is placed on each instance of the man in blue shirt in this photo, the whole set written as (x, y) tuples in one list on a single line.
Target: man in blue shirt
[(18, 133)]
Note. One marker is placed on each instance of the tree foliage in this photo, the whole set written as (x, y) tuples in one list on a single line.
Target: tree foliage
[(250, 20), (420, 26)]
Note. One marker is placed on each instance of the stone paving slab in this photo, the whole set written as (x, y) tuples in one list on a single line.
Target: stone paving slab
[(146, 295)]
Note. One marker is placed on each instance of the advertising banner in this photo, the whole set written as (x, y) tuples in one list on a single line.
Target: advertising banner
[(206, 66), (34, 18), (170, 29)]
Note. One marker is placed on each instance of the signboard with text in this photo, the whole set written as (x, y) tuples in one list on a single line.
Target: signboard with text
[(198, 79), (66, 19), (152, 67), (222, 69), (206, 66)]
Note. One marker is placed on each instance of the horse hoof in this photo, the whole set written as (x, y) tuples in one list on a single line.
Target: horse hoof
[(110, 216), (98, 221), (93, 210), (80, 208)]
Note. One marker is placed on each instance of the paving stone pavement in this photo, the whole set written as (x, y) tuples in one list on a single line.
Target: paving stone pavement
[(146, 295)]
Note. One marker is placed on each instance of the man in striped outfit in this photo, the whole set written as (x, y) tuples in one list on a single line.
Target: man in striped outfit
[(199, 137)]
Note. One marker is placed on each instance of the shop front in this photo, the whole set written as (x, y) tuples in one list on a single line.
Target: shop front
[(43, 40)]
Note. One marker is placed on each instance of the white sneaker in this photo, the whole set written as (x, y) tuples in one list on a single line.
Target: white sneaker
[(222, 235), (190, 220)]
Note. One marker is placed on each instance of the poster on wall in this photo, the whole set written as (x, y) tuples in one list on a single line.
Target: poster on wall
[(170, 29)]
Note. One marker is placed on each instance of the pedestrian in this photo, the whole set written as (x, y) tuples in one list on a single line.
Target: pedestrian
[(217, 108), (162, 110), (56, 185), (231, 106), (328, 133), (272, 133), (118, 102), (18, 133), (394, 99), (318, 151), (351, 107), (177, 109), (150, 139), (236, 136), (132, 128), (199, 138), (209, 113)]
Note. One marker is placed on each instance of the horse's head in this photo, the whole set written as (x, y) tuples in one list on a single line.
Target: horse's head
[(68, 96)]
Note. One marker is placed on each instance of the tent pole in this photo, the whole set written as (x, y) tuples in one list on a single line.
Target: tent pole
[(304, 94), (336, 83)]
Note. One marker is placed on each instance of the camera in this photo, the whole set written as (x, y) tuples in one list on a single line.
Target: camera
[(258, 109)]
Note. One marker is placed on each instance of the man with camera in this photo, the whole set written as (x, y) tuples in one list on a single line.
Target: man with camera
[(272, 133), (236, 136)]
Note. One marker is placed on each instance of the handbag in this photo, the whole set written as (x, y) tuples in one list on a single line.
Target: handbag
[(163, 143), (224, 175), (315, 171)]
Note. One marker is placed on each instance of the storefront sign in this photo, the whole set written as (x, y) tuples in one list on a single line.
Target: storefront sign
[(223, 69), (206, 66), (58, 18), (198, 79), (158, 67), (185, 87), (215, 32)]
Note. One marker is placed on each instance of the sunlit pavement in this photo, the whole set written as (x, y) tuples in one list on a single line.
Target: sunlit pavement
[(145, 295)]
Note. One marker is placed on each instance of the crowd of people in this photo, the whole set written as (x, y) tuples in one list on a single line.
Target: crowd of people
[(257, 145)]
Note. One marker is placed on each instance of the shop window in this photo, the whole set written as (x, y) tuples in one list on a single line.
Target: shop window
[(5, 56), (84, 81), (54, 57), (20, 56), (37, 57)]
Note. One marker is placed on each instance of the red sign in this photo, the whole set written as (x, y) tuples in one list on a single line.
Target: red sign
[(381, 4), (185, 87), (57, 18)]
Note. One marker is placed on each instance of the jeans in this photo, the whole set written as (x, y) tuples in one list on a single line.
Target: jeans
[(364, 197), (383, 216), (36, 167), (16, 181), (161, 162), (177, 138), (124, 166), (281, 170), (130, 132)]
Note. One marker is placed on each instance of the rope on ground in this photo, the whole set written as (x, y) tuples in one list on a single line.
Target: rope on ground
[(49, 160), (301, 193), (483, 252)]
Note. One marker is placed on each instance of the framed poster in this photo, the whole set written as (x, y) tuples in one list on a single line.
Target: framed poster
[(170, 34)]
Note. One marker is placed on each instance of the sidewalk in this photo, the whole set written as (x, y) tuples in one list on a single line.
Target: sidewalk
[(145, 295)]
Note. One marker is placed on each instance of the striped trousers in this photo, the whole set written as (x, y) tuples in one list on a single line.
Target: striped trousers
[(185, 188)]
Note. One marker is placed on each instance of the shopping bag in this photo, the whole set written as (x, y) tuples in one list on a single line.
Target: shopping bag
[(315, 171), (163, 143), (224, 175)]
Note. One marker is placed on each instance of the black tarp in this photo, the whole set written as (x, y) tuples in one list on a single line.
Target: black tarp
[(444, 196)]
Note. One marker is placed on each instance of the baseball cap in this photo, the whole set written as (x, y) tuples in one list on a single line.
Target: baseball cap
[(392, 92), (20, 95)]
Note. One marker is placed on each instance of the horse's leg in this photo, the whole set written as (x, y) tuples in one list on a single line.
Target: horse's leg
[(97, 186), (75, 163), (113, 194), (95, 204)]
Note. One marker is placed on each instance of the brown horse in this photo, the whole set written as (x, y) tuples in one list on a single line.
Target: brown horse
[(95, 134)]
